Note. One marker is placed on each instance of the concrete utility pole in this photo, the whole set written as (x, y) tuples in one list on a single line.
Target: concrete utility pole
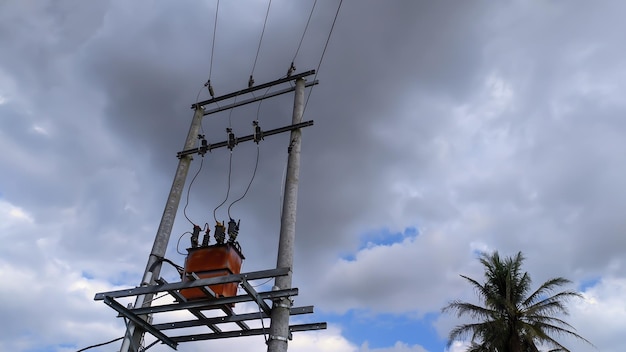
[(279, 326), (133, 336)]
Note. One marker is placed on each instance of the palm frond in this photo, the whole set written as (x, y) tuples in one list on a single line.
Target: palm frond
[(545, 288), (511, 318)]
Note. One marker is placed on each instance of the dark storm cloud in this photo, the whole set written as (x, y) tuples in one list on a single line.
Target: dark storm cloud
[(486, 126), (150, 75)]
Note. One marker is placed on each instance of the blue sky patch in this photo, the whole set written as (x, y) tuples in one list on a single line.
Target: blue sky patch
[(86, 275), (589, 283), (382, 237), (384, 330)]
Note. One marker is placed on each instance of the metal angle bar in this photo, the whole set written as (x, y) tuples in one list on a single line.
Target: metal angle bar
[(307, 327), (142, 323), (228, 319), (227, 334), (226, 309), (245, 138), (252, 100), (254, 88), (214, 304), (198, 314), (230, 312), (205, 289), (252, 292), (255, 275)]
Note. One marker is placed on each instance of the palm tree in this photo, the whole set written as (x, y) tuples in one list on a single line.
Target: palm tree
[(512, 320)]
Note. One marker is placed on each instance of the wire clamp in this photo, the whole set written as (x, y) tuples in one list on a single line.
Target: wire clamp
[(207, 237), (194, 236), (283, 305), (279, 338), (220, 232), (233, 230), (250, 82)]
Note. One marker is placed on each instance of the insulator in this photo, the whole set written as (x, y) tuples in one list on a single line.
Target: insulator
[(207, 237), (250, 82), (232, 141), (258, 133), (233, 230), (220, 233), (211, 90), (204, 145), (194, 236), (291, 70)]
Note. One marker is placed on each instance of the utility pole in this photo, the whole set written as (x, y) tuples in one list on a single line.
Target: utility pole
[(139, 316), (134, 335), (279, 326)]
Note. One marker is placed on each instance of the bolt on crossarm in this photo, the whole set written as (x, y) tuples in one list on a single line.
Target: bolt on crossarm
[(133, 334), (279, 326)]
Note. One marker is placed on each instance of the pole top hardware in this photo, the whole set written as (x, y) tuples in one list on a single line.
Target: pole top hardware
[(253, 88)]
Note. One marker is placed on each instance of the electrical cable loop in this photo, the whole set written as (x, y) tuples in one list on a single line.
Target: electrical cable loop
[(200, 136), (230, 167)]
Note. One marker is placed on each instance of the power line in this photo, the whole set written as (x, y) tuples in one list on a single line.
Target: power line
[(251, 82), (217, 7), (256, 165), (189, 190), (332, 27), (230, 164), (304, 33), (100, 344)]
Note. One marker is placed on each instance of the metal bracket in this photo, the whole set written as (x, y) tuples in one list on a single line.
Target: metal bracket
[(279, 338), (140, 322), (252, 292), (254, 88), (231, 142), (220, 326)]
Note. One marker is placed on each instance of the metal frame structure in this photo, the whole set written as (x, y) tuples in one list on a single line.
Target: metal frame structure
[(211, 303), (139, 317)]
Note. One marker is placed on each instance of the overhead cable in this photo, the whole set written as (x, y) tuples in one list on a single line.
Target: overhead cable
[(332, 27), (189, 188), (230, 164), (251, 81), (100, 344), (256, 165), (303, 34), (217, 7)]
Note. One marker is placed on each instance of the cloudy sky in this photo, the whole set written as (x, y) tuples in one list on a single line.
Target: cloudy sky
[(442, 129)]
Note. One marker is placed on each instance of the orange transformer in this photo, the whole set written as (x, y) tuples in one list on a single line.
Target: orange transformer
[(211, 261)]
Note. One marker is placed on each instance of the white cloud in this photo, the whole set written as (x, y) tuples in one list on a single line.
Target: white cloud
[(40, 130), (600, 316), (12, 216), (411, 276), (458, 346), (397, 347), (502, 131)]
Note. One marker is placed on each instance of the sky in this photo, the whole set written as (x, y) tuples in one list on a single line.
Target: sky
[(443, 129)]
